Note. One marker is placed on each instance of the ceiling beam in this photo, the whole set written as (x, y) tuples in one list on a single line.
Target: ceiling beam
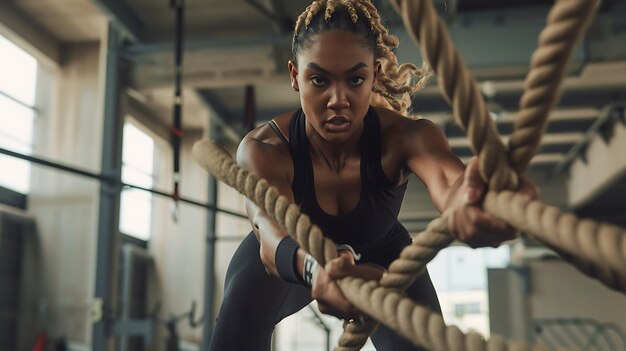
[(123, 16), (21, 29), (273, 14), (213, 80), (565, 114), (281, 40), (595, 95)]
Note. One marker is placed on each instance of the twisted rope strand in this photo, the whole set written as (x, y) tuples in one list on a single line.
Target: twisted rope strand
[(418, 324), (460, 90), (471, 114), (597, 249), (309, 236), (567, 22)]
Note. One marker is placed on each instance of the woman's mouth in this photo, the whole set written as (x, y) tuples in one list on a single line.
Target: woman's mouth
[(337, 124)]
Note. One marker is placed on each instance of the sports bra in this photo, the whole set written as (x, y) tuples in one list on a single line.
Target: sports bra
[(372, 227)]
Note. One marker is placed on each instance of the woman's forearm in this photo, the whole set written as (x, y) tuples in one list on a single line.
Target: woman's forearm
[(270, 235)]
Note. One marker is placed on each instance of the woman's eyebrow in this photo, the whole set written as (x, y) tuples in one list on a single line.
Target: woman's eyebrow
[(353, 69)]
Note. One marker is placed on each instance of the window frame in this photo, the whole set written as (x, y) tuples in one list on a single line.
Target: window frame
[(12, 196)]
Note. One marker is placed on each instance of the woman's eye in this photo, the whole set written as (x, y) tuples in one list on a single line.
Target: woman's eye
[(317, 80), (356, 81)]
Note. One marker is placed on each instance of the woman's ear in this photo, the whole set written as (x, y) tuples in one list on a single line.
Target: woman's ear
[(293, 75)]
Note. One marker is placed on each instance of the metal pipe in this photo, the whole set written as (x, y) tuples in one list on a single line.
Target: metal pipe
[(186, 200), (56, 165), (176, 131), (19, 102), (109, 204), (250, 108), (111, 180)]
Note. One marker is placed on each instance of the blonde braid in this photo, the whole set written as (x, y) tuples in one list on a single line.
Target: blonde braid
[(314, 9), (396, 83), (351, 10), (330, 8), (367, 14)]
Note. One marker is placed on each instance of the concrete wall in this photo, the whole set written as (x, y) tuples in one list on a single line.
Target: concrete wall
[(549, 289), (68, 129), (559, 290)]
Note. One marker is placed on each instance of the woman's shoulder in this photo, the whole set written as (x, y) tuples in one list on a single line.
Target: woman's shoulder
[(393, 124), (262, 147)]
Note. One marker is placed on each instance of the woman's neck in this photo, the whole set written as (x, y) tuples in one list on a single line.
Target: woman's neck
[(335, 154)]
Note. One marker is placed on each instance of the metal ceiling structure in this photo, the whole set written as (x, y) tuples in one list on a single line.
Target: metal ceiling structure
[(231, 45)]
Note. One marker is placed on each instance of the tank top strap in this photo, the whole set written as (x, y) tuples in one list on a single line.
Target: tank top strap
[(277, 131), (372, 147), (299, 147)]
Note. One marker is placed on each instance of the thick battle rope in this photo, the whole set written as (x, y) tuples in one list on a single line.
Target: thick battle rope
[(459, 88), (596, 249), (418, 324), (567, 22)]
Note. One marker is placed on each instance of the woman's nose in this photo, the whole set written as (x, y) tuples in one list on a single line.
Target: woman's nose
[(338, 99)]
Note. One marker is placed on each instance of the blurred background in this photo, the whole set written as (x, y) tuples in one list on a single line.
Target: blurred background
[(113, 238)]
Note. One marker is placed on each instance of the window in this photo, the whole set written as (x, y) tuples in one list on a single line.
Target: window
[(459, 275), (18, 78), (137, 169), (461, 309)]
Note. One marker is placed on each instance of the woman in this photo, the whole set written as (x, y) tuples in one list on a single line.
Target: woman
[(346, 164)]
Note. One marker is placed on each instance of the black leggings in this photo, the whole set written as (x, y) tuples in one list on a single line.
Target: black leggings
[(255, 302)]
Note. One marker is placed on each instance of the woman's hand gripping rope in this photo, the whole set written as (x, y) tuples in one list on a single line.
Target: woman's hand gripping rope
[(469, 223)]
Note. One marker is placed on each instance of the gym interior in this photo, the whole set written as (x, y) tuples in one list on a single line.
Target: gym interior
[(113, 237)]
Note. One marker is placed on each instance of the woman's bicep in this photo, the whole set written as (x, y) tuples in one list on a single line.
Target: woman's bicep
[(265, 161), (432, 160)]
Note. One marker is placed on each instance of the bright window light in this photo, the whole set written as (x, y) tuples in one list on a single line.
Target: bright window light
[(459, 275), (18, 72), (18, 78), (137, 169)]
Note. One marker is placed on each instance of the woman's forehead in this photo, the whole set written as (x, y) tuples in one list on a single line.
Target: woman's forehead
[(337, 49)]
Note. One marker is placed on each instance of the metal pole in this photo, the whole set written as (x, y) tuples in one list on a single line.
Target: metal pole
[(179, 6), (108, 226), (250, 109), (209, 272), (112, 181)]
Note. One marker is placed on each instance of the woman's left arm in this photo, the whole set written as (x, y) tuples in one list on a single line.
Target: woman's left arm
[(454, 187)]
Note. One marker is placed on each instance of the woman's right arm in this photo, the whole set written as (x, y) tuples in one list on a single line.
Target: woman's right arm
[(272, 161), (269, 161)]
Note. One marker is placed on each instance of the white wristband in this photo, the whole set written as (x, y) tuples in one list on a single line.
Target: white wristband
[(310, 269)]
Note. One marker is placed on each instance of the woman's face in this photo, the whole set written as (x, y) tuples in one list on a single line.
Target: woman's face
[(335, 75)]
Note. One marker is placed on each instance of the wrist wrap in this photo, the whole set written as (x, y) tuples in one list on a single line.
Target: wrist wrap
[(285, 260)]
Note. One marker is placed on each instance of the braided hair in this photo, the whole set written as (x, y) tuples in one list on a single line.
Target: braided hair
[(396, 83)]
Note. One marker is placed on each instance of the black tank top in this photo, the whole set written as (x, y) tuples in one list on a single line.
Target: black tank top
[(372, 227)]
